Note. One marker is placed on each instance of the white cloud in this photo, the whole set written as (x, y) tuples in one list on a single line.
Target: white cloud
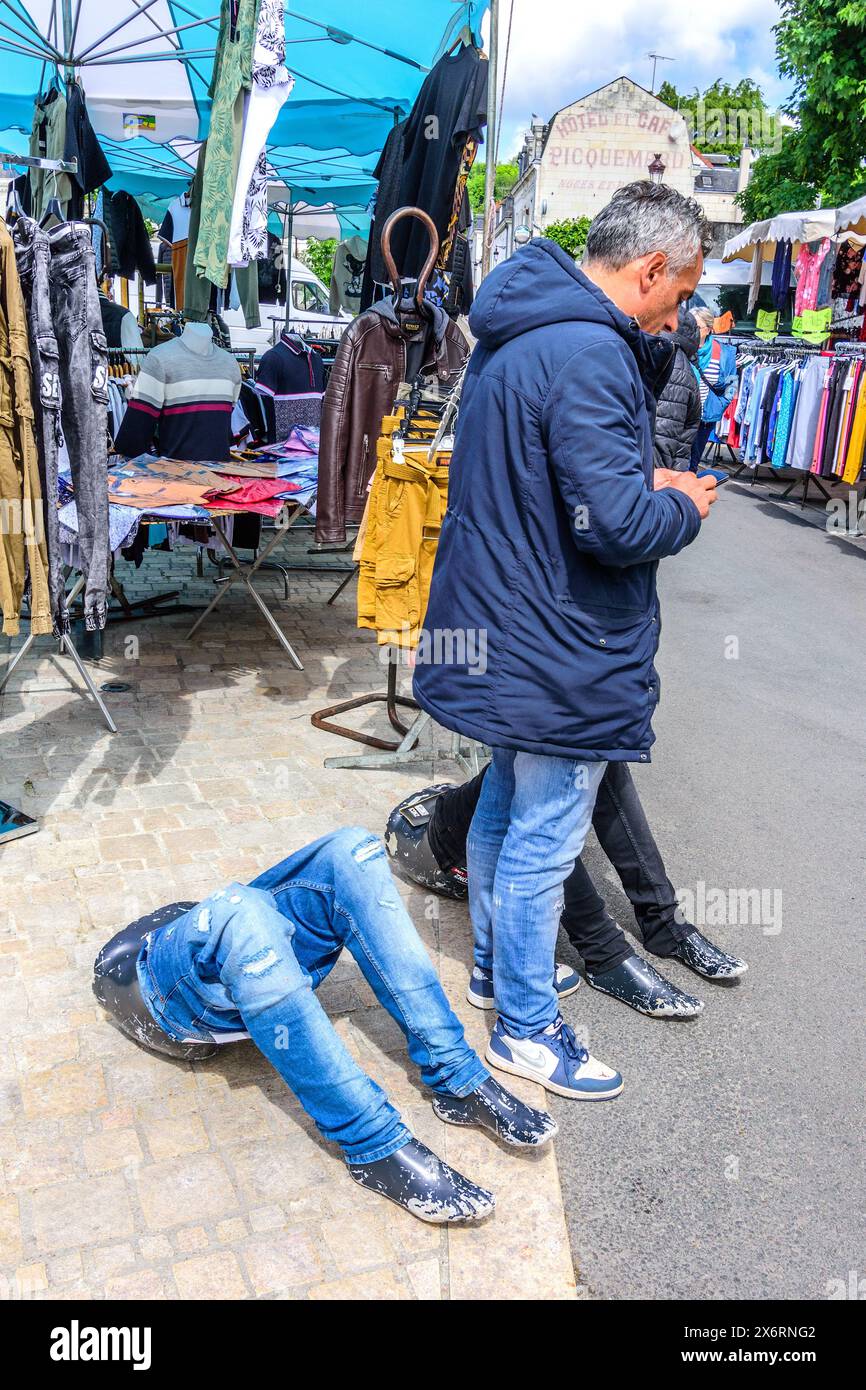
[(562, 49)]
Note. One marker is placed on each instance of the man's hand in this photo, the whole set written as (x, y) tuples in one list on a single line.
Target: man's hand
[(702, 491), (663, 477)]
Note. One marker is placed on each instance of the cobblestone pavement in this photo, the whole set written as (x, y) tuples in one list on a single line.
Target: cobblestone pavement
[(123, 1175)]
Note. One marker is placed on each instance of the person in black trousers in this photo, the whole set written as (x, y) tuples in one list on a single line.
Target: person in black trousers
[(426, 837)]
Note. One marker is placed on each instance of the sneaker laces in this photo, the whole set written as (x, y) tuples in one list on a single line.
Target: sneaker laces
[(570, 1045)]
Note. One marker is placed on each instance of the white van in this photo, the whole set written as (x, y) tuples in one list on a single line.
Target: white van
[(309, 312)]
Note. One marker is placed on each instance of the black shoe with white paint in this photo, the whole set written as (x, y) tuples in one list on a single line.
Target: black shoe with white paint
[(416, 1179), (493, 1108), (708, 960), (639, 984), (407, 843)]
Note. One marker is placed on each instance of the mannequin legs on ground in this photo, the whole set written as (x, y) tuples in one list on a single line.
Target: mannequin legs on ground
[(249, 959)]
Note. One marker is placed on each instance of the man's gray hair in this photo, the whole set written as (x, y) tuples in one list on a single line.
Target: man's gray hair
[(643, 218)]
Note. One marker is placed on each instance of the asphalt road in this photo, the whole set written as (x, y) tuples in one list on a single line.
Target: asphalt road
[(732, 1164)]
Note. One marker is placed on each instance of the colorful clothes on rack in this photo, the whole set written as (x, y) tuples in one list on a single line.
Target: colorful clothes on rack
[(808, 272), (781, 274), (200, 294), (271, 85), (232, 77), (23, 551), (407, 502)]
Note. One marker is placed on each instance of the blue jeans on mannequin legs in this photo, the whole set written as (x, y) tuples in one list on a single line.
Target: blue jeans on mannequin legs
[(250, 958), (529, 827)]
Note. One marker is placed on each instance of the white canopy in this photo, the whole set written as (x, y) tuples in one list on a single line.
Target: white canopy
[(795, 227), (852, 217)]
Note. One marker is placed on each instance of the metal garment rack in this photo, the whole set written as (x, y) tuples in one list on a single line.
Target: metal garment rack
[(66, 648), (769, 352)]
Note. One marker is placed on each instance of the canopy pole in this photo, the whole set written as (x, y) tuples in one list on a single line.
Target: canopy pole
[(68, 39), (291, 226), (490, 141)]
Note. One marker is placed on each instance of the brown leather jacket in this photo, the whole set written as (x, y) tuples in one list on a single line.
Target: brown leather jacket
[(362, 389)]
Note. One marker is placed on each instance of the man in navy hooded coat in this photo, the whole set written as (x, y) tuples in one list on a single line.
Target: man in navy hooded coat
[(542, 624)]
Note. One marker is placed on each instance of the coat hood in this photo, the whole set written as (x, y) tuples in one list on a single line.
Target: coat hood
[(387, 312), (540, 286)]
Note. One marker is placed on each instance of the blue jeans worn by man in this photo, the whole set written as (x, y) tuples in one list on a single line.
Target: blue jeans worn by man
[(529, 827), (248, 960)]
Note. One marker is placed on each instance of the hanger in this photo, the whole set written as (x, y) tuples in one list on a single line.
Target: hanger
[(53, 209), (14, 205), (409, 294), (465, 37)]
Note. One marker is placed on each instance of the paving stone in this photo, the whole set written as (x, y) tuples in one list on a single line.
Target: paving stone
[(217, 1276), (193, 1238), (359, 1242), (425, 1276), (68, 1089), (81, 1213), (29, 1280), (65, 1268), (140, 1286), (232, 1231), (185, 1189), (173, 1137), (154, 1248), (372, 1287), (279, 1262), (114, 1148)]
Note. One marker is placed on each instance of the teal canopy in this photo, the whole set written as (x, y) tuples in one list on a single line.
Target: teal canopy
[(146, 65)]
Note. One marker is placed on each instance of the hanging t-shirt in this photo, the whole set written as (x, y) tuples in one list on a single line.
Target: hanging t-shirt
[(175, 224), (451, 105), (82, 145), (347, 276), (808, 272), (290, 382)]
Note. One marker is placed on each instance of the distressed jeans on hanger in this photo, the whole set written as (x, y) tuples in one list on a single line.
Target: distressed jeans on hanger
[(75, 312), (33, 257)]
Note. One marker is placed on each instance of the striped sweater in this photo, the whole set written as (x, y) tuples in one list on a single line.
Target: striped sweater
[(182, 402)]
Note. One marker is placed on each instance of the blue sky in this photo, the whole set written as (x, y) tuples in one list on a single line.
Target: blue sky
[(562, 49)]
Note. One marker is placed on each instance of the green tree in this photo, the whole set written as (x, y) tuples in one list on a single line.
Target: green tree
[(506, 177), (819, 46), (319, 256), (777, 185), (570, 234), (723, 117)]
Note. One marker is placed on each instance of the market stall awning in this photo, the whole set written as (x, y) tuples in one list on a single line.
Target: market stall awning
[(795, 227), (146, 65), (852, 217)]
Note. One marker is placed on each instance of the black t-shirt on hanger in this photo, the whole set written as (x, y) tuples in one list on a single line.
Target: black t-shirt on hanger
[(451, 105)]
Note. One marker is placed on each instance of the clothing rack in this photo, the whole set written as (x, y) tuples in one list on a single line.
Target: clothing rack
[(395, 754), (61, 166), (66, 647), (783, 351)]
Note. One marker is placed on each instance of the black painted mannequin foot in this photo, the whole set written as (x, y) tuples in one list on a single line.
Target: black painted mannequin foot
[(492, 1107), (416, 1179), (640, 985), (708, 960)]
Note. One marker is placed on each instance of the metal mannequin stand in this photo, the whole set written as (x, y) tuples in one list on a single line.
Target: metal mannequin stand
[(66, 648)]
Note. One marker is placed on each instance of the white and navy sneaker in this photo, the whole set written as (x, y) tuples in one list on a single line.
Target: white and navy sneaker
[(480, 990), (556, 1060)]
